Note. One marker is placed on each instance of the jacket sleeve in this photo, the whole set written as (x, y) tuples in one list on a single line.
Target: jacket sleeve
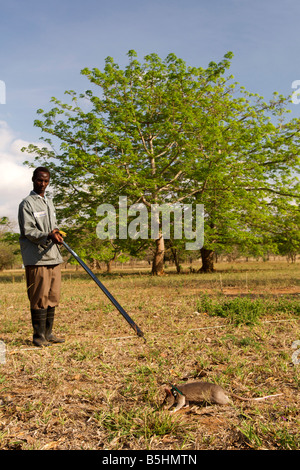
[(28, 226)]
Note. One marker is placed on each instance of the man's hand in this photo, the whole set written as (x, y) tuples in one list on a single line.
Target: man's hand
[(56, 237)]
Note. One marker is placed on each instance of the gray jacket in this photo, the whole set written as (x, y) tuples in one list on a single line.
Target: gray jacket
[(36, 220)]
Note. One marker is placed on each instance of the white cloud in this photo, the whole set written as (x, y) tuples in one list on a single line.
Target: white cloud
[(15, 178)]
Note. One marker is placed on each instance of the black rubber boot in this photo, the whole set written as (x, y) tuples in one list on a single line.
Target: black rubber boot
[(38, 319), (49, 325)]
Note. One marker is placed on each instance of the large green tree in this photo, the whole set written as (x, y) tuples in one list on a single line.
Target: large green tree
[(163, 132)]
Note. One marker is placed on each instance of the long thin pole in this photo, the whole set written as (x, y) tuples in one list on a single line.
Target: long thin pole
[(106, 292)]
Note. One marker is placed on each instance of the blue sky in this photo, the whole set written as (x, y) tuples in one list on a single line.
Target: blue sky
[(45, 44)]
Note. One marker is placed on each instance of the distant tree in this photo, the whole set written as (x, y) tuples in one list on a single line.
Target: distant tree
[(162, 132), (6, 256), (9, 244)]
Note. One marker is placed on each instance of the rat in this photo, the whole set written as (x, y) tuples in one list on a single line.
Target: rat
[(198, 392)]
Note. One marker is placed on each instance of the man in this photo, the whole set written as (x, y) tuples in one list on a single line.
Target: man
[(39, 240)]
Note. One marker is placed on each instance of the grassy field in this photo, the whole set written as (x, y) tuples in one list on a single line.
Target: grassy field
[(103, 388)]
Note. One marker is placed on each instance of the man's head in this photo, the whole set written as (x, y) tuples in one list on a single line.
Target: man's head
[(40, 178)]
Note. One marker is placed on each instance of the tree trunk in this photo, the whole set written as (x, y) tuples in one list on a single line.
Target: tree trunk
[(158, 260), (176, 259), (207, 257), (108, 265)]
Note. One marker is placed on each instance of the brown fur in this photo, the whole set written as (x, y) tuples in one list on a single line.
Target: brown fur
[(199, 392)]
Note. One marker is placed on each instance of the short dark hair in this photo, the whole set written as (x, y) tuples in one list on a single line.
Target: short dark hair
[(40, 169)]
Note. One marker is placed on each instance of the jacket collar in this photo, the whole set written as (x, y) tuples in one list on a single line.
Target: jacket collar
[(33, 193)]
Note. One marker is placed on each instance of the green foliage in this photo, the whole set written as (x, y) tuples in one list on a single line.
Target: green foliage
[(9, 244), (237, 310), (160, 131), (246, 310), (138, 423)]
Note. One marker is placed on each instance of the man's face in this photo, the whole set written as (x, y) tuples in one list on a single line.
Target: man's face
[(41, 182)]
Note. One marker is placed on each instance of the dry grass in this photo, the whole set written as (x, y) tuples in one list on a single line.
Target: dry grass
[(102, 389)]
